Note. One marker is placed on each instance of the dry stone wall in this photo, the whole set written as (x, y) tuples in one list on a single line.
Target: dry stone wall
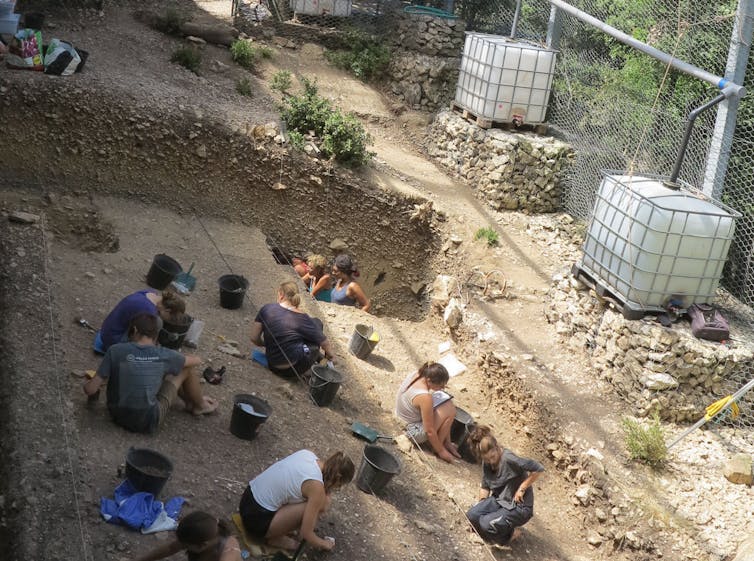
[(510, 170), (426, 57), (652, 367)]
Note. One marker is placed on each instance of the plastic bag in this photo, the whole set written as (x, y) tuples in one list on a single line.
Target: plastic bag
[(708, 323), (61, 58), (25, 50)]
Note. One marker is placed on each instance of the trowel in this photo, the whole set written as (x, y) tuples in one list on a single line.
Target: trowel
[(367, 433)]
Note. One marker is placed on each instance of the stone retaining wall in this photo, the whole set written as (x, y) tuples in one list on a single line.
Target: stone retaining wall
[(510, 170), (426, 57), (652, 367)]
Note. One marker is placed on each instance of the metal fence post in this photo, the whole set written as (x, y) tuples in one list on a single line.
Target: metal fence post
[(554, 28), (725, 123)]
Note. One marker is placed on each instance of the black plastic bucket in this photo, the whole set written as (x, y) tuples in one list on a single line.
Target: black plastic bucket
[(362, 343), (147, 470), (172, 334), (232, 291), (249, 413), (460, 430), (324, 384), (378, 466), (162, 272)]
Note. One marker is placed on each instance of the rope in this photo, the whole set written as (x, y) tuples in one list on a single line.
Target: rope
[(83, 534)]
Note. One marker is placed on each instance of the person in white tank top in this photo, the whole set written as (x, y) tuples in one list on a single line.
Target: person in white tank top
[(290, 495)]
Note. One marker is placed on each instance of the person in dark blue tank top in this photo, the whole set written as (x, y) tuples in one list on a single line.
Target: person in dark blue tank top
[(347, 291)]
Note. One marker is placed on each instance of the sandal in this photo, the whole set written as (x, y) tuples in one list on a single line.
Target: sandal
[(213, 376)]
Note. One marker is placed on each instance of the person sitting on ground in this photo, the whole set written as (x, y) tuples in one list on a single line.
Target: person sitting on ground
[(203, 537), (318, 281), (144, 379), (427, 411), (290, 337), (301, 266), (291, 495), (346, 290), (115, 327), (506, 499)]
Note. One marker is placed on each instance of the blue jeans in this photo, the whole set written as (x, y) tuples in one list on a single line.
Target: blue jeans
[(495, 523)]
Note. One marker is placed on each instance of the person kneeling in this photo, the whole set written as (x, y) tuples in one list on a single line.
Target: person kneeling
[(291, 495), (143, 379)]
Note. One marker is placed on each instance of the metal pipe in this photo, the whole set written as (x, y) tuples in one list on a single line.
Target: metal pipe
[(728, 88), (516, 14), (672, 180)]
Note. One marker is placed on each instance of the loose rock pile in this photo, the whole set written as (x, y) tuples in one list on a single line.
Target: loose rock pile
[(426, 58), (654, 368), (511, 171)]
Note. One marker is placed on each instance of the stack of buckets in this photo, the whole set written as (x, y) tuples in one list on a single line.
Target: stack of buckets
[(363, 341)]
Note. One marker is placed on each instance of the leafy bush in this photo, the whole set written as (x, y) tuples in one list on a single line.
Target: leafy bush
[(345, 139), (264, 51), (188, 57), (243, 53), (307, 112), (343, 136), (364, 55), (645, 442), (488, 234), (243, 86), (281, 81), (170, 22), (296, 140)]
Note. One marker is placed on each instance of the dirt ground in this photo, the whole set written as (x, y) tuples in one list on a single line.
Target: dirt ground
[(90, 250)]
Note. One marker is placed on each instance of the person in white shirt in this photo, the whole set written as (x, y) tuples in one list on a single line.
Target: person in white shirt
[(291, 495)]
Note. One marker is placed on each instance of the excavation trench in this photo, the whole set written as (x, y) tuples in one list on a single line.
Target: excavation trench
[(90, 143)]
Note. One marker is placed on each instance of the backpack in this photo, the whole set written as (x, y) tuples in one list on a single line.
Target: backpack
[(708, 323)]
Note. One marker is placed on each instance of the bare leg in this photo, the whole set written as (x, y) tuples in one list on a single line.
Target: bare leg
[(444, 416), (187, 382), (286, 520)]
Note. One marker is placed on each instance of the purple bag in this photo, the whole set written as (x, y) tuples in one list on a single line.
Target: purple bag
[(708, 323)]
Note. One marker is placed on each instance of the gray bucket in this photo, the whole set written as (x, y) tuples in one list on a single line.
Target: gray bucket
[(362, 343), (378, 466)]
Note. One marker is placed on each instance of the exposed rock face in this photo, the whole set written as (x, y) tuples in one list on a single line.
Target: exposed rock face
[(426, 58), (511, 171), (652, 367)]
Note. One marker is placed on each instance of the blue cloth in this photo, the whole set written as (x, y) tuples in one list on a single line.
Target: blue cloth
[(260, 357), (340, 296), (115, 327), (137, 510), (98, 345)]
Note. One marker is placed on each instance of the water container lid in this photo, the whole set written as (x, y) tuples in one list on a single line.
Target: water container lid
[(517, 42), (687, 199)]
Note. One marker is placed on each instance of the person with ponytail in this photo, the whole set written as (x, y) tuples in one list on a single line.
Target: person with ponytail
[(506, 497), (427, 411), (203, 537), (291, 495), (291, 339)]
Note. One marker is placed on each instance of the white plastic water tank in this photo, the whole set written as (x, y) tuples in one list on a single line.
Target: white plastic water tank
[(340, 8), (505, 80), (649, 244)]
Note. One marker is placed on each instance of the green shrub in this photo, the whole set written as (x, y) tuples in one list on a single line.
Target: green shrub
[(281, 81), (243, 86), (364, 55), (488, 234), (170, 22), (343, 136), (296, 140), (264, 51), (345, 139), (307, 112), (243, 53), (188, 57), (645, 442)]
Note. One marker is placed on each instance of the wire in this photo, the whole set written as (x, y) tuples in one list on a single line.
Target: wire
[(56, 368)]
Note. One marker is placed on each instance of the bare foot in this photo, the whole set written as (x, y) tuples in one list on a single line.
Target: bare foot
[(283, 542), (210, 406), (453, 449)]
